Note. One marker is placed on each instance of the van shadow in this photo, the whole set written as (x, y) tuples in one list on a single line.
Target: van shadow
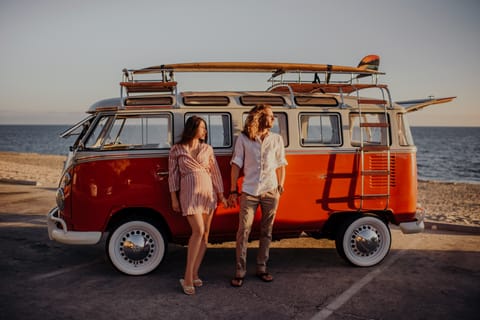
[(219, 263)]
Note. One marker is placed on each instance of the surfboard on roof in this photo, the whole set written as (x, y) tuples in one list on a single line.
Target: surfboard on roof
[(366, 66)]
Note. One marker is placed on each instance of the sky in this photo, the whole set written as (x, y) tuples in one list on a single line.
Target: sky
[(59, 57)]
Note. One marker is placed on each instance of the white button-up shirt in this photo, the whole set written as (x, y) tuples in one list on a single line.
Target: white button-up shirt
[(259, 160)]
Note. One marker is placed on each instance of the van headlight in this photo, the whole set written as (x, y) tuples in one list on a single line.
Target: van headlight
[(65, 180), (60, 197)]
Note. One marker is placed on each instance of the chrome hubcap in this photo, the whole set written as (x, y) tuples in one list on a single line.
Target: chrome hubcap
[(365, 240), (137, 247)]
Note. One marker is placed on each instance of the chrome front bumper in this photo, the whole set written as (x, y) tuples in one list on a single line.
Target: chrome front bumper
[(414, 226), (61, 234)]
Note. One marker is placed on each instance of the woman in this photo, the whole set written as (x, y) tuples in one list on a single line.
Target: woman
[(194, 172)]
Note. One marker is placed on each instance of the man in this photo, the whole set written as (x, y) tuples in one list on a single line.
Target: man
[(261, 154)]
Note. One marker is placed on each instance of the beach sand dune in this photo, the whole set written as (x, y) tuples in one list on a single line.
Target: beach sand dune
[(457, 203)]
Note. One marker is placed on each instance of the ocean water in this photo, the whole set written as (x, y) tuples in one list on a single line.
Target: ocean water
[(42, 139), (449, 154)]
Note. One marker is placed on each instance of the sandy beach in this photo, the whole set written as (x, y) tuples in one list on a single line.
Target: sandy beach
[(30, 168), (457, 203)]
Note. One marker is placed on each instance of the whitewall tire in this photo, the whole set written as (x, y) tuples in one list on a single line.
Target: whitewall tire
[(363, 240), (136, 247)]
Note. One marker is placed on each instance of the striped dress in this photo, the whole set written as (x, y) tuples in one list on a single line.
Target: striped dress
[(198, 179)]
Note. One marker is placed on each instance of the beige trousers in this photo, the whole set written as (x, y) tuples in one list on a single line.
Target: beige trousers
[(268, 203)]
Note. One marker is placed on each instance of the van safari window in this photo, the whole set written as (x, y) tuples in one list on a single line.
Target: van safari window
[(320, 129), (280, 125), (271, 100), (316, 101), (219, 128), (206, 100), (371, 135), (133, 132)]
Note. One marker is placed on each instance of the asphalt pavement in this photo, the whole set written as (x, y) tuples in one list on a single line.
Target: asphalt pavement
[(433, 275)]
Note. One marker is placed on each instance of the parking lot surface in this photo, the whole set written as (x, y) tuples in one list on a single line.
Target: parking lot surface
[(433, 275)]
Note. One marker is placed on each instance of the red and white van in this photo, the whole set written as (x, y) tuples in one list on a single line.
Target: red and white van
[(351, 160)]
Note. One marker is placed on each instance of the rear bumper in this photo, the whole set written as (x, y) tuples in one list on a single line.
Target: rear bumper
[(57, 230), (414, 226)]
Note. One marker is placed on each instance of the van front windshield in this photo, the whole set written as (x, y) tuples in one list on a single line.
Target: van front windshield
[(131, 132)]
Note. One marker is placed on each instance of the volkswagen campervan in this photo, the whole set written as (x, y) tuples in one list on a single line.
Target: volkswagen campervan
[(351, 160)]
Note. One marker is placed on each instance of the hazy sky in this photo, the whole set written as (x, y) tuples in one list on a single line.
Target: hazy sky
[(58, 57)]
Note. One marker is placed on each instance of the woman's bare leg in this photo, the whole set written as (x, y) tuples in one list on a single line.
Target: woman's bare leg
[(194, 246), (207, 220)]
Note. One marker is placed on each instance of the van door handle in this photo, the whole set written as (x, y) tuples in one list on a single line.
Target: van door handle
[(162, 173)]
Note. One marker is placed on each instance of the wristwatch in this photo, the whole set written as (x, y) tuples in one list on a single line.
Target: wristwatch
[(280, 189)]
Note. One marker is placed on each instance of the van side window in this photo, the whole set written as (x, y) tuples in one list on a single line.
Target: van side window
[(371, 135), (135, 132), (320, 129), (219, 128), (280, 125), (404, 134)]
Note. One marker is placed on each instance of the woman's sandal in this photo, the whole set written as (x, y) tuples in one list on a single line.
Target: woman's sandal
[(197, 282), (188, 290), (237, 282), (265, 276)]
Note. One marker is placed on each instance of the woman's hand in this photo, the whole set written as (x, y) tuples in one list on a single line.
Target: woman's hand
[(175, 203), (176, 207)]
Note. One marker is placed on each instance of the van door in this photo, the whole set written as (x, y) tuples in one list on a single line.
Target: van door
[(124, 164)]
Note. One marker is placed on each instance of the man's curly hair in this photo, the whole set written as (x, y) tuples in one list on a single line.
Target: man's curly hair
[(256, 121)]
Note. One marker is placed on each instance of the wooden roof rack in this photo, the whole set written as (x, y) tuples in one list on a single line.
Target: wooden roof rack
[(345, 88), (149, 86), (284, 77)]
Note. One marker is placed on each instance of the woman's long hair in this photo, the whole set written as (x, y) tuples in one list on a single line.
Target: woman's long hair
[(256, 121), (190, 129)]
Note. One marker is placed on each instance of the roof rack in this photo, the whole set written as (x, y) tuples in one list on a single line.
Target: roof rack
[(304, 87), (285, 77), (156, 88)]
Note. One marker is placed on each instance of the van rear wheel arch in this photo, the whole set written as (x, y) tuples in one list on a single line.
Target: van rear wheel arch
[(337, 219)]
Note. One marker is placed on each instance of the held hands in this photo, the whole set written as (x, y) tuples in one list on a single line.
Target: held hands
[(222, 199), (232, 199)]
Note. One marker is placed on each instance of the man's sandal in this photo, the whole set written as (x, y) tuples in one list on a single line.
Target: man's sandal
[(237, 282), (265, 276)]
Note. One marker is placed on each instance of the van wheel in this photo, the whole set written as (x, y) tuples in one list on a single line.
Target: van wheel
[(136, 247), (363, 241)]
